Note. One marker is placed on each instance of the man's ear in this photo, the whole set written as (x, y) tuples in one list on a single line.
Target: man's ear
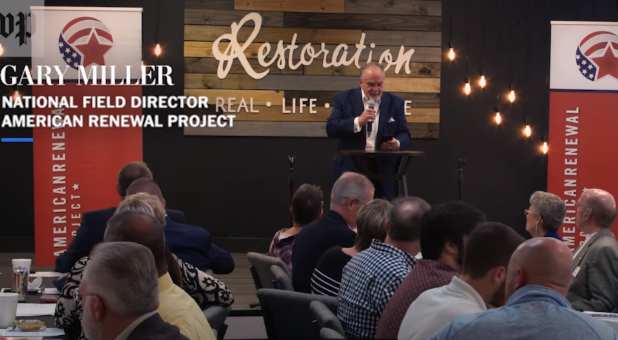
[(98, 307), (499, 274), (451, 248)]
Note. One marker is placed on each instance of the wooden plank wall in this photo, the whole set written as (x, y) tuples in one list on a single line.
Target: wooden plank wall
[(387, 23)]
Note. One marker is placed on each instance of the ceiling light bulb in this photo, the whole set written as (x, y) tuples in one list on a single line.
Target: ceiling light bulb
[(511, 96), (544, 148), (498, 118), (467, 88), (526, 131), (451, 54), (482, 81), (158, 50)]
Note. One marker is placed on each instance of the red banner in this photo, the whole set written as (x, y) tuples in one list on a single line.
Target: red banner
[(75, 169), (582, 128)]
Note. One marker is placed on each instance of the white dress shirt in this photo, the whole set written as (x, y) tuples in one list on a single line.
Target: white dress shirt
[(436, 308)]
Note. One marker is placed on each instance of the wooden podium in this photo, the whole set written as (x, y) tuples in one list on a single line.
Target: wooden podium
[(362, 158)]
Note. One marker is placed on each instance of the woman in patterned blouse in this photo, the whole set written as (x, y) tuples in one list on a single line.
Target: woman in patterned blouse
[(202, 287), (306, 207)]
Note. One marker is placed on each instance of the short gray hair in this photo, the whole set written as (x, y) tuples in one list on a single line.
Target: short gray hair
[(351, 186), (550, 207), (124, 275), (601, 204), (145, 203)]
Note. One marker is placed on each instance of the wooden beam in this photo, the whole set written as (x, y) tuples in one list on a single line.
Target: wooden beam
[(305, 83), (399, 7), (421, 54), (295, 129), (317, 35), (218, 17), (258, 97), (386, 22), (326, 6)]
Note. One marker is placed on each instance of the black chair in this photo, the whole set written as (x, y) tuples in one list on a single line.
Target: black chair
[(281, 278), (216, 316), (325, 317), (287, 314), (260, 269)]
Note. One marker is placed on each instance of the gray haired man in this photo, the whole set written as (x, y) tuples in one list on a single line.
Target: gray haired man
[(336, 228), (120, 295), (544, 215)]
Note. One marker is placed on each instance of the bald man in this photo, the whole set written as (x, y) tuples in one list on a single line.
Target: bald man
[(595, 264), (537, 281), (367, 118)]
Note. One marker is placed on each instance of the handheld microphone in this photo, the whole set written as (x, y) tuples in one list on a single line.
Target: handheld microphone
[(371, 104)]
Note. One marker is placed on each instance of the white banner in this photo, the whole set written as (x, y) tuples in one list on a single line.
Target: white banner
[(15, 27), (70, 37), (584, 56)]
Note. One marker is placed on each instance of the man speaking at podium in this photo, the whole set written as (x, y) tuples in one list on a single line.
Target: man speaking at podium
[(367, 118)]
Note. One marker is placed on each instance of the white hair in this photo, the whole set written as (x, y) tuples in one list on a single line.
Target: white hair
[(124, 276), (550, 207), (145, 203), (351, 186)]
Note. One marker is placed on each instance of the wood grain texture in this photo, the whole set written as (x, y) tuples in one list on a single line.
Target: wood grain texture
[(425, 100), (364, 21), (421, 54), (294, 129), (276, 113), (210, 4), (259, 97), (326, 6), (399, 7), (210, 65), (219, 17), (305, 83), (202, 30)]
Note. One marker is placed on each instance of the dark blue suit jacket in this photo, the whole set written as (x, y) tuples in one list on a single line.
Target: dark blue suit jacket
[(90, 233), (193, 244), (348, 105)]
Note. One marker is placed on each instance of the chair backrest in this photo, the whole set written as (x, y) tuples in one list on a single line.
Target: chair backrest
[(287, 314), (260, 269), (328, 333), (216, 316), (325, 316), (281, 279)]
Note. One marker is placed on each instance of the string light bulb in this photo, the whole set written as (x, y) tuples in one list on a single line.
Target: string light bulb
[(526, 131), (544, 148), (451, 55), (16, 94), (482, 81), (467, 88), (511, 96), (1, 50), (158, 50), (497, 118)]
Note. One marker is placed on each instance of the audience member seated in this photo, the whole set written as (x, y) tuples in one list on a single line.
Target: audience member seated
[(538, 278), (482, 283), (307, 206), (372, 277), (336, 228), (443, 232), (544, 215), (371, 224), (93, 223), (120, 295), (203, 288), (191, 243), (595, 264)]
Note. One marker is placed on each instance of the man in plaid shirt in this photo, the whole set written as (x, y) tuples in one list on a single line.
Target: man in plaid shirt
[(372, 277)]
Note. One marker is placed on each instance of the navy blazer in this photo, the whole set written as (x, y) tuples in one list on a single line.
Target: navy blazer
[(348, 105), (91, 232), (193, 244), (313, 241)]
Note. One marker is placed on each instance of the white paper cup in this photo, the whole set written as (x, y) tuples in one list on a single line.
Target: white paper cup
[(21, 263), (8, 309)]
